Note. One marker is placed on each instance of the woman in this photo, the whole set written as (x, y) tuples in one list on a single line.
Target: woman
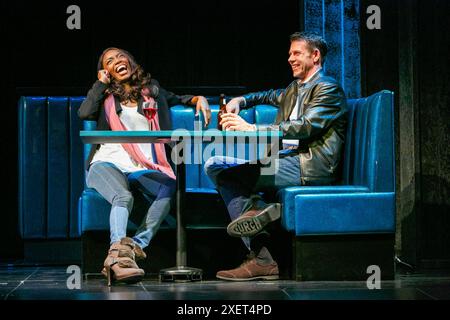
[(116, 102)]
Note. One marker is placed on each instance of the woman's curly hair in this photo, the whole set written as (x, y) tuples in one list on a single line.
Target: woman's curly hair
[(138, 79)]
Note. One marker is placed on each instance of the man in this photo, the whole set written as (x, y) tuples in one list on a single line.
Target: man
[(312, 118)]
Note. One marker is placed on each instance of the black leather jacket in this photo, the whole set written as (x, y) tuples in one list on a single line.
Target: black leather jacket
[(320, 126)]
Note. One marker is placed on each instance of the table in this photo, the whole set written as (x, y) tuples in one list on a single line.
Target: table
[(180, 271)]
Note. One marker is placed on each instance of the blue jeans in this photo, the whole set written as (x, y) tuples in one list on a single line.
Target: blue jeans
[(238, 181), (115, 186)]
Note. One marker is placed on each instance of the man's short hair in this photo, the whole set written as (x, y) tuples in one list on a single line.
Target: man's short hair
[(314, 41)]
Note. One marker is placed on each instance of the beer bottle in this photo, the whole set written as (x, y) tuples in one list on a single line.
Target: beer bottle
[(222, 110)]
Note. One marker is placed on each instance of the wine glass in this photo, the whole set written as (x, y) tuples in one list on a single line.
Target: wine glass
[(150, 110)]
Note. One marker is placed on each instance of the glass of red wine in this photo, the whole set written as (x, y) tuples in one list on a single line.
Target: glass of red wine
[(149, 110)]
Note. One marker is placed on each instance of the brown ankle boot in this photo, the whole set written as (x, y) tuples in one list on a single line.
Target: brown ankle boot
[(137, 250), (119, 266)]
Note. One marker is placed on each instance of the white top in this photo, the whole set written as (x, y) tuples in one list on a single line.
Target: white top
[(115, 153), (294, 113)]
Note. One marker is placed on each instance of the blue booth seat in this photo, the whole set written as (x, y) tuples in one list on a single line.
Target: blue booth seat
[(56, 204), (50, 167), (368, 174), (364, 201)]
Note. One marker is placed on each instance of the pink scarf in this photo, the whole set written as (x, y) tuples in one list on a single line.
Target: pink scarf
[(132, 148)]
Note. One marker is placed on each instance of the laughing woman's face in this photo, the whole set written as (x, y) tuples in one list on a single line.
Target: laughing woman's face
[(117, 64)]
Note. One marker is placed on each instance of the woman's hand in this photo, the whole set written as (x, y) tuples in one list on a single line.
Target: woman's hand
[(103, 76), (233, 122), (234, 104), (202, 105)]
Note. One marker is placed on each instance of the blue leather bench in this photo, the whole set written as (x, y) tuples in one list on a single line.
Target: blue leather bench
[(50, 167), (364, 201), (341, 230), (329, 224)]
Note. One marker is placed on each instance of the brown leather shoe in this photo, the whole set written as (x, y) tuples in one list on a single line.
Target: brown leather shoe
[(250, 270), (254, 220)]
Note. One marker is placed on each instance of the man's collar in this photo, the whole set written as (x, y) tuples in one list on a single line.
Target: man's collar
[(311, 77)]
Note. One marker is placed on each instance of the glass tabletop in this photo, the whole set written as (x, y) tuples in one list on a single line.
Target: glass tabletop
[(166, 136)]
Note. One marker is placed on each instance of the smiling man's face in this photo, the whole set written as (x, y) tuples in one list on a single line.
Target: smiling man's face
[(117, 64), (302, 59)]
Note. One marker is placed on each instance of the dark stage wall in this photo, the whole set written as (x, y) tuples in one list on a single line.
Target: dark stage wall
[(237, 46), (409, 56)]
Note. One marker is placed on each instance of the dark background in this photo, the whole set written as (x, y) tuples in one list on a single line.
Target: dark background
[(211, 47), (410, 56)]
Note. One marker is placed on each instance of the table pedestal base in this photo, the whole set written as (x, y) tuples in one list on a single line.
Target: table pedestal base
[(180, 274)]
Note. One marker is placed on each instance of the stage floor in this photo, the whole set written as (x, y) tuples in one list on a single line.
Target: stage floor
[(50, 282)]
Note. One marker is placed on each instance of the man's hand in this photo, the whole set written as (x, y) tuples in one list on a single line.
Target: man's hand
[(235, 104), (202, 104), (103, 76), (233, 122)]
